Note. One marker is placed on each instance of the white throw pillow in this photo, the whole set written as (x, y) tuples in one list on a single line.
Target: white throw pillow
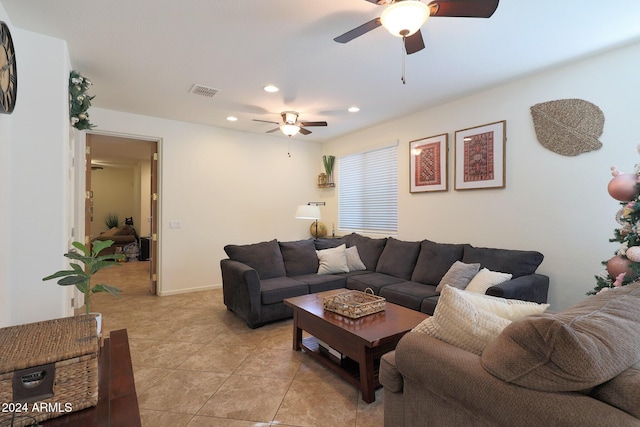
[(486, 279), (512, 309), (333, 260), (460, 323), (354, 263)]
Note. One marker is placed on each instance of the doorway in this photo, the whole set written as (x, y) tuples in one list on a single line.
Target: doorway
[(122, 183)]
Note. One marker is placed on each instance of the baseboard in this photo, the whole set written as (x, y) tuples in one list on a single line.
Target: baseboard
[(188, 290)]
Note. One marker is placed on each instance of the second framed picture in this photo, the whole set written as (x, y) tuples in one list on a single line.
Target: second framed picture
[(428, 158), (480, 156)]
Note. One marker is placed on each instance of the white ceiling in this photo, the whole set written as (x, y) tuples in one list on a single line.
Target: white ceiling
[(144, 55)]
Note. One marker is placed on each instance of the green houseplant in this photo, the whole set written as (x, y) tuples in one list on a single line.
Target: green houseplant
[(111, 220), (88, 262)]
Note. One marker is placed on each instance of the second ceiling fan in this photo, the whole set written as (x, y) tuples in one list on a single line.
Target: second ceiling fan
[(403, 18)]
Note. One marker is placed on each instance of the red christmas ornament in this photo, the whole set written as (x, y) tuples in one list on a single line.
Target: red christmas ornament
[(618, 265), (623, 187)]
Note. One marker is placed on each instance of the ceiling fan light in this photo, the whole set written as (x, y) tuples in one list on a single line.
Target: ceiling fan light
[(404, 18), (290, 130)]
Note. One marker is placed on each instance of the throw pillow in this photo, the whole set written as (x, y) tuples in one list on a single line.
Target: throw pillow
[(512, 309), (519, 263), (398, 258), (575, 349), (354, 263), (434, 261), (264, 257), (460, 323), (299, 257), (486, 279), (459, 275), (333, 260)]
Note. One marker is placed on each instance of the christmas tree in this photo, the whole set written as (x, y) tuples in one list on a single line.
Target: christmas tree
[(624, 267)]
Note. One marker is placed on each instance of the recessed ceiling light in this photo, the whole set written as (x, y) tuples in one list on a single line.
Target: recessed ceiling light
[(232, 118), (271, 88), (353, 109)]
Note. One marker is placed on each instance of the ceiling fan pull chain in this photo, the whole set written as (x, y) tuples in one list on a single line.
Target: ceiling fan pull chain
[(404, 55)]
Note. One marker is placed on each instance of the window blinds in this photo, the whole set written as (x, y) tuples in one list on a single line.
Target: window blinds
[(368, 191)]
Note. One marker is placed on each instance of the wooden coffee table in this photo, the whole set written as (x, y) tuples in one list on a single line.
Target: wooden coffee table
[(363, 341)]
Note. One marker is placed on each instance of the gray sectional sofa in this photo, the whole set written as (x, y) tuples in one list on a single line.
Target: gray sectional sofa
[(256, 278)]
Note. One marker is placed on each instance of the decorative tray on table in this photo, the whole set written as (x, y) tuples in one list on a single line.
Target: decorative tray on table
[(354, 304)]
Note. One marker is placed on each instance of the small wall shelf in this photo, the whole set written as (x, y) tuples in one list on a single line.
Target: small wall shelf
[(328, 185)]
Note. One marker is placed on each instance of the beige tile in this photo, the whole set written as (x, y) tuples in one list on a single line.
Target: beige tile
[(324, 403), (271, 362), (163, 419), (247, 398), (145, 377), (181, 391), (371, 414), (160, 354), (202, 421), (217, 358)]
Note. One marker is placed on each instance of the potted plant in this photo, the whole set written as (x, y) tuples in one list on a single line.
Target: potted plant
[(328, 162), (111, 220), (88, 262)]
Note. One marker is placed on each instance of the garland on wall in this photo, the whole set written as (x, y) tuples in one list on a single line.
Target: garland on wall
[(79, 101)]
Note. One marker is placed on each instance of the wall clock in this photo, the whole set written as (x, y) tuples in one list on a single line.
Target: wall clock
[(8, 71)]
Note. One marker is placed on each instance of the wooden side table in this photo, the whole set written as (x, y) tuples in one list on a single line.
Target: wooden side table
[(117, 400)]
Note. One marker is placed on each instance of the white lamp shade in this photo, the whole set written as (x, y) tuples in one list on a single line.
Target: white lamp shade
[(404, 18), (308, 212), (290, 130)]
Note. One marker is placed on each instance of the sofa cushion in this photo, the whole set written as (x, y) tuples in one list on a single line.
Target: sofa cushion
[(622, 391), (276, 289), (434, 261), (518, 263), (486, 279), (459, 275), (575, 349), (299, 257), (398, 258), (369, 249), (375, 281), (264, 257), (461, 323), (326, 242), (354, 263), (322, 282), (332, 260), (408, 294)]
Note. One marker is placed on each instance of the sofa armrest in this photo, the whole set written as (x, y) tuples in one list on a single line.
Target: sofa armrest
[(533, 287), (445, 385), (241, 290)]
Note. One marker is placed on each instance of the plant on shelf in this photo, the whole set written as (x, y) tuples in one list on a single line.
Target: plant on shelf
[(111, 220), (88, 262), (79, 101), (328, 162)]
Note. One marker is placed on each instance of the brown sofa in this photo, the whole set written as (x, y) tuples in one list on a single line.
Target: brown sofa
[(121, 237), (578, 367)]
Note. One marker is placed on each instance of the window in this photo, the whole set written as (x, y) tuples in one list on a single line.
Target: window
[(368, 191)]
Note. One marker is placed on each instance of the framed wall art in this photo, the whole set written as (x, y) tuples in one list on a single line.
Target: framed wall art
[(428, 159), (480, 156)]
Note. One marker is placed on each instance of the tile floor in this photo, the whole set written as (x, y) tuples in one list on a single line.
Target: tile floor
[(197, 364)]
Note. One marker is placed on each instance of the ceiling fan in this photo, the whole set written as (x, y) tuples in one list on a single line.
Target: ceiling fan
[(290, 124), (403, 18)]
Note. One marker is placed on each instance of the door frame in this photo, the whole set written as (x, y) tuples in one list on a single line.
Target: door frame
[(155, 284)]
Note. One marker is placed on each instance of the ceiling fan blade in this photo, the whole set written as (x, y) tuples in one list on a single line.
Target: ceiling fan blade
[(273, 130), (313, 123), (414, 43), (305, 131), (266, 121), (463, 8), (357, 32)]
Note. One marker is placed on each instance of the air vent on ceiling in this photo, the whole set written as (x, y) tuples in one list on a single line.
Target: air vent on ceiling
[(203, 90)]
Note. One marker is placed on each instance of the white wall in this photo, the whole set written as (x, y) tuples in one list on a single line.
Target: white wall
[(224, 187), (554, 204), (34, 152)]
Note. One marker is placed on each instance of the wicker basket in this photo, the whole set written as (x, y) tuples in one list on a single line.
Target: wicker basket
[(354, 304), (48, 369)]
